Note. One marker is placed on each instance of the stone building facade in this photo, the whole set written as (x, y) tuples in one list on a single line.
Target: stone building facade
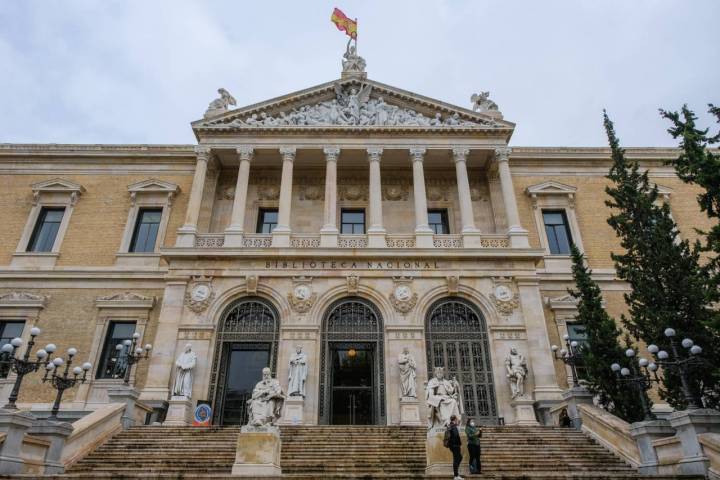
[(352, 219)]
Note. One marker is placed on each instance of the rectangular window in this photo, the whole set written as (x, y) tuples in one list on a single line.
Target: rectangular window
[(267, 220), (578, 333), (558, 232), (352, 221), (146, 230), (113, 362), (8, 331), (46, 229), (438, 220)]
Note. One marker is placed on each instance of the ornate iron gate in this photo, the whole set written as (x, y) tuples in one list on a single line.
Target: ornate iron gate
[(249, 323), (352, 320), (457, 339)]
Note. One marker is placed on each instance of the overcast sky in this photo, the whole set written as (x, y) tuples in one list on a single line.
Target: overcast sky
[(107, 71)]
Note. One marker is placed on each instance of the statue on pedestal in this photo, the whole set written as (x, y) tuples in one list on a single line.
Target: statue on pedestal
[(516, 367), (442, 397), (266, 403), (407, 365), (184, 366), (220, 104), (297, 373)]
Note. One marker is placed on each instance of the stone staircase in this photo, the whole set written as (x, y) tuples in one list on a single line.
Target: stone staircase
[(368, 452)]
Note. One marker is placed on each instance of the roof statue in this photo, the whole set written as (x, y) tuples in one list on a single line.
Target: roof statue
[(220, 105), (482, 102), (352, 64)]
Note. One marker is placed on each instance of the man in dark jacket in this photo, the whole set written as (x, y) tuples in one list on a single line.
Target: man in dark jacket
[(455, 446)]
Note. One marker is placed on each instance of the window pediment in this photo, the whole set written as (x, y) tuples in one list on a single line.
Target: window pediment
[(549, 189), (57, 186), (153, 187)]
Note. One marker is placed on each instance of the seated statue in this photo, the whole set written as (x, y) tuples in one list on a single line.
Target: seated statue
[(442, 397), (266, 404)]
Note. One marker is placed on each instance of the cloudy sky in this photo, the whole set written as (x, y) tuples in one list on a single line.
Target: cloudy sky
[(107, 71)]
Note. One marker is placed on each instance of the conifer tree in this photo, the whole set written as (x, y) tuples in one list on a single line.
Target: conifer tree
[(668, 286), (602, 347)]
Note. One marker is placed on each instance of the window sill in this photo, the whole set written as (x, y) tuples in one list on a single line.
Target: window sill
[(34, 259), (558, 263), (151, 260)]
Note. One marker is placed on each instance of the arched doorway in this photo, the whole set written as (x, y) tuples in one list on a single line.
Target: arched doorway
[(247, 341), (352, 375), (457, 339)]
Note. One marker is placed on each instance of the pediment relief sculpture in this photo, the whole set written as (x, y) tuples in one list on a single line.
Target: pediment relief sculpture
[(124, 297), (13, 298)]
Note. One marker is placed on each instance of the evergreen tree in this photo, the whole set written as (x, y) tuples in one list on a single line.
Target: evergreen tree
[(668, 286), (602, 347)]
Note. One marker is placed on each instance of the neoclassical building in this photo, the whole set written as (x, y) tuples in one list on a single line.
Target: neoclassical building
[(351, 219)]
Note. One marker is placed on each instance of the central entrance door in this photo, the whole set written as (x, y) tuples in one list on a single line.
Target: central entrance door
[(352, 377)]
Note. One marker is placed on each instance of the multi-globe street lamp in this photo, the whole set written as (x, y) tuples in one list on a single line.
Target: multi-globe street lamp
[(134, 353), (641, 381), (22, 366), (570, 355), (62, 381)]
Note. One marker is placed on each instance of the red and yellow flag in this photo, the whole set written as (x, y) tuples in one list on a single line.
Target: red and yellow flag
[(344, 24)]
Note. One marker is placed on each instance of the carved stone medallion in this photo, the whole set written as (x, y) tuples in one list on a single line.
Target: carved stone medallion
[(311, 192), (353, 283), (505, 300), (402, 297), (302, 297), (395, 192), (436, 193), (268, 192), (353, 192), (199, 294)]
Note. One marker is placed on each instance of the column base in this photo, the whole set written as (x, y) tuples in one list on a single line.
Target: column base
[(179, 413), (574, 397), (524, 411), (688, 424), (257, 452), (328, 237), (186, 236), (472, 238), (410, 411), (424, 238), (233, 237), (293, 415), (518, 237), (281, 237), (376, 238)]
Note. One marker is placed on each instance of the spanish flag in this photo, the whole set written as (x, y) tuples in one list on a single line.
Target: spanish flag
[(344, 24)]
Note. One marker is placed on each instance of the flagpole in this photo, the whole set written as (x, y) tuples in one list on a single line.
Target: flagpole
[(356, 50)]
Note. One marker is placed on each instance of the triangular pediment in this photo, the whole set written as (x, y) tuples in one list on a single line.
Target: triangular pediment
[(153, 185), (57, 185), (354, 104), (551, 187)]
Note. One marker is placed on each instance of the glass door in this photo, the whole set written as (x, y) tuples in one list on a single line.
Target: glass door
[(245, 362), (353, 385)]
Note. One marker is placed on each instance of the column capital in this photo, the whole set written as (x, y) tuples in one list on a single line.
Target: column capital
[(417, 153), (245, 152), (288, 153), (374, 153), (203, 152), (460, 154), (502, 154), (331, 153)]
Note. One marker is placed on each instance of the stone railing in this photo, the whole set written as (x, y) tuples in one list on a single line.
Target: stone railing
[(305, 241), (494, 241), (210, 240), (711, 447), (447, 241), (257, 240), (92, 430), (400, 241), (610, 431), (352, 241)]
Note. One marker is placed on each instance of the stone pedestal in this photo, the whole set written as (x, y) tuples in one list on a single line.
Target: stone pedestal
[(524, 411), (179, 412), (56, 433), (688, 424), (439, 458), (424, 238), (13, 424), (293, 414), (410, 411), (644, 433), (128, 396), (376, 238), (258, 452), (472, 239), (233, 238), (574, 397)]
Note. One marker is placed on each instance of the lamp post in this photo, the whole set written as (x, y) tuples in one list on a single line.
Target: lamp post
[(62, 382), (639, 380), (22, 366), (680, 365), (571, 355), (133, 354)]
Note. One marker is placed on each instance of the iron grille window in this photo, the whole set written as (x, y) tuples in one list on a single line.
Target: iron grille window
[(8, 331), (352, 221), (113, 362), (46, 229), (438, 220), (146, 230), (557, 231), (267, 220)]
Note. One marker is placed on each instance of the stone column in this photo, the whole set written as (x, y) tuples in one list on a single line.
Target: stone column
[(281, 233), (329, 231), (234, 232), (518, 235), (162, 357), (470, 233), (376, 231), (423, 233), (186, 233)]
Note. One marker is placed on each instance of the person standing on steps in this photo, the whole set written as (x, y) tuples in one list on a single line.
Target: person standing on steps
[(473, 432), (455, 445)]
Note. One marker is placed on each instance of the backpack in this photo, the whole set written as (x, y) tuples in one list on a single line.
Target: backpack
[(446, 438)]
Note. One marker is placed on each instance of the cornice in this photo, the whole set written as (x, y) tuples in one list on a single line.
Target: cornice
[(96, 150)]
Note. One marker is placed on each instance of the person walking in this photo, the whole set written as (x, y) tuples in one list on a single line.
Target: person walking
[(473, 433), (455, 446)]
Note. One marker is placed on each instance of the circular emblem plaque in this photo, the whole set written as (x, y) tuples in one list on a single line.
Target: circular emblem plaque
[(200, 292), (302, 292), (503, 292), (403, 293)]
